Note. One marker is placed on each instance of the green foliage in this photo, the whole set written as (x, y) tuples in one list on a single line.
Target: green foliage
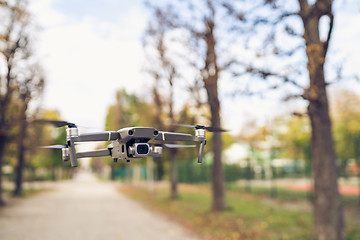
[(293, 134), (128, 110), (248, 216), (43, 163), (36, 158), (346, 118), (50, 158), (189, 171)]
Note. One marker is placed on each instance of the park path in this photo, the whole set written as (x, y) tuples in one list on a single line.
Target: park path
[(85, 209)]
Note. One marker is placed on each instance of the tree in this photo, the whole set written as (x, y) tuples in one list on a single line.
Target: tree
[(295, 137), (197, 24), (293, 133), (45, 135), (275, 23), (125, 112), (163, 69), (210, 74), (128, 110), (14, 38), (345, 109), (29, 90)]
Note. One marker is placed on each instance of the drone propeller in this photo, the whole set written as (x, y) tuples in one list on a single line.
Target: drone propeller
[(55, 146), (56, 123), (65, 152), (209, 129)]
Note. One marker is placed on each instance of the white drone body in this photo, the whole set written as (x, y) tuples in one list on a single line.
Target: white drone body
[(128, 143)]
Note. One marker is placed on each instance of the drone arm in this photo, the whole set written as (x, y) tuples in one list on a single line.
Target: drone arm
[(201, 151), (169, 136), (96, 153), (72, 153), (102, 136), (155, 154)]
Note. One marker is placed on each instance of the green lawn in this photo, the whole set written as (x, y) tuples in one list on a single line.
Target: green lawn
[(288, 195), (27, 192), (249, 216)]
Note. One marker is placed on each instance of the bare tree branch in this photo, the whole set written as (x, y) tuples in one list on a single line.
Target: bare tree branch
[(331, 25)]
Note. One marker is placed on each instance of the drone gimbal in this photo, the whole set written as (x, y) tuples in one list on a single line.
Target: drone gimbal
[(128, 143)]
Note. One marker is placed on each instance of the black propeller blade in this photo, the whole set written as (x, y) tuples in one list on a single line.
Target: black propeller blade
[(55, 146), (56, 123), (210, 129)]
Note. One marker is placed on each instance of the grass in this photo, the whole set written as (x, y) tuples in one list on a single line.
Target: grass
[(27, 192), (249, 216), (289, 195), (246, 218)]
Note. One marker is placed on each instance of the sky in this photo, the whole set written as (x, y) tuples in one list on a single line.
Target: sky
[(89, 49), (92, 48)]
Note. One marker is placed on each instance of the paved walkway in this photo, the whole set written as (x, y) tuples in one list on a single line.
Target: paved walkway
[(85, 209)]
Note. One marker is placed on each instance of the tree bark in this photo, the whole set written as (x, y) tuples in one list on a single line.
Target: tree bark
[(210, 77), (4, 105), (21, 152), (173, 174), (218, 203), (328, 212), (2, 149)]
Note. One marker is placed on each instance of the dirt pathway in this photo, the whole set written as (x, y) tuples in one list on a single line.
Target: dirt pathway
[(85, 209)]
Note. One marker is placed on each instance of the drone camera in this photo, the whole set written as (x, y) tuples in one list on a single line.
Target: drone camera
[(142, 149), (139, 149)]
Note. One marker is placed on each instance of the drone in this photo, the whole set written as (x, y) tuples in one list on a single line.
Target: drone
[(128, 143)]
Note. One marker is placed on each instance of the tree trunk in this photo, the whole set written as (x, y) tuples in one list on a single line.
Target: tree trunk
[(4, 101), (4, 104), (112, 172), (173, 174), (218, 203), (159, 169), (210, 77), (21, 152), (328, 212), (2, 150), (19, 173)]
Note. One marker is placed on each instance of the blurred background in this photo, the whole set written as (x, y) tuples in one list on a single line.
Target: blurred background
[(246, 66)]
